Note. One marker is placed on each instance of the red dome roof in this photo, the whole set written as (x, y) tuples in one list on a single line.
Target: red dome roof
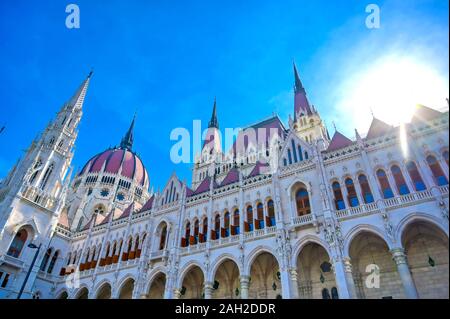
[(117, 161)]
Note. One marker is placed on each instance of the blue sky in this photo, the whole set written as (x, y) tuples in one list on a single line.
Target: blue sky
[(168, 59)]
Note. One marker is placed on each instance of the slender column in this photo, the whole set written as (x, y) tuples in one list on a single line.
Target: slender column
[(208, 290), (177, 294), (245, 283), (348, 269), (341, 279), (285, 284), (398, 255), (294, 283)]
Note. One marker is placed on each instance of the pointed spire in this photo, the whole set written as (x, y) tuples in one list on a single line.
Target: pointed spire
[(298, 87), (214, 122), (127, 140), (78, 98), (301, 103)]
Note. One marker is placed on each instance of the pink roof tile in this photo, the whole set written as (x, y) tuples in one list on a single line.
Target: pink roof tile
[(232, 177), (339, 141), (115, 161), (64, 219), (258, 169), (203, 187), (263, 132), (118, 160), (149, 204), (378, 128), (126, 212), (99, 160), (424, 113)]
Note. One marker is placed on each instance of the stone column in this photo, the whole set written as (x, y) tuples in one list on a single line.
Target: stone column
[(208, 290), (398, 255), (294, 283), (176, 294), (245, 283), (341, 276), (348, 269)]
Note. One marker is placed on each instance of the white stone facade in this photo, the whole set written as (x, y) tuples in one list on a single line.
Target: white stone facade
[(310, 242)]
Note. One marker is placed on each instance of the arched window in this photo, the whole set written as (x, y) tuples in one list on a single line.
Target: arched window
[(36, 168), (289, 156), (334, 293), (205, 229), (271, 213), (325, 294), (187, 233), (259, 223), (445, 156), (17, 244), (338, 198), (351, 191), (196, 230), (45, 260), (69, 258), (46, 177), (217, 227), (400, 182), (236, 222), (226, 221), (302, 200), (384, 184), (53, 262), (249, 218), (365, 189), (162, 240), (438, 174)]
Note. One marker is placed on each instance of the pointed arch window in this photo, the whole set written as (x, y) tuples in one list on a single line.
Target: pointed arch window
[(187, 235), (226, 221), (416, 178), (325, 294), (162, 239), (45, 260), (400, 182), (365, 189), (205, 230), (338, 198), (46, 177), (196, 230), (235, 229), (53, 262), (384, 184), (302, 201), (334, 293), (289, 156), (249, 222), (300, 153), (351, 191), (36, 168), (259, 222), (217, 227), (271, 213), (17, 244), (436, 169)]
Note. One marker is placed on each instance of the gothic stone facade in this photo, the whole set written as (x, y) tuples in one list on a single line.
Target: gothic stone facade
[(328, 218)]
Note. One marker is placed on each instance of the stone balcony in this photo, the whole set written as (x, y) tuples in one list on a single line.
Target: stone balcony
[(390, 203), (39, 197)]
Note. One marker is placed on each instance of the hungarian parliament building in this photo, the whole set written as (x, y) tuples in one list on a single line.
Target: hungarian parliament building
[(292, 213)]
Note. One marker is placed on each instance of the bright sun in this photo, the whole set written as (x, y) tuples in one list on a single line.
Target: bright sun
[(391, 87)]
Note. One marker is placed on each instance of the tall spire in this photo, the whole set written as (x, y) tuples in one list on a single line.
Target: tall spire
[(301, 103), (78, 98), (127, 140), (298, 87), (214, 122)]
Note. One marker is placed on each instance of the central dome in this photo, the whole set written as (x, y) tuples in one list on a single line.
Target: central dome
[(118, 161)]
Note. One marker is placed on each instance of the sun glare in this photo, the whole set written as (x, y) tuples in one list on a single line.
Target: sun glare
[(391, 88)]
